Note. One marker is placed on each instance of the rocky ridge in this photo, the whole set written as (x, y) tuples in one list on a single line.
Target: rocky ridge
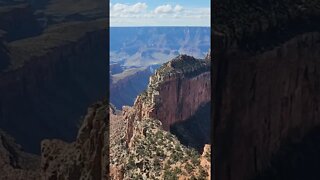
[(176, 91), (14, 162), (87, 157), (141, 144)]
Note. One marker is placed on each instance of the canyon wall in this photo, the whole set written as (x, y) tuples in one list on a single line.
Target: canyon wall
[(141, 144), (175, 94), (264, 100), (266, 74), (51, 80)]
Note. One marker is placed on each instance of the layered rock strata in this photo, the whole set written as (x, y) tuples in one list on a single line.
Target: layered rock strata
[(141, 146), (176, 91)]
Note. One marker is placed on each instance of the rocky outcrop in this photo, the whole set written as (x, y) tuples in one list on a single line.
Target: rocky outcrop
[(205, 159), (87, 157), (14, 162), (176, 91), (152, 152), (265, 95), (51, 80), (142, 146)]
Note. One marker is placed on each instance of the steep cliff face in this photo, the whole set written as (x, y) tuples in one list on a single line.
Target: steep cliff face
[(51, 80), (87, 157), (141, 144), (176, 91), (266, 74), (263, 100)]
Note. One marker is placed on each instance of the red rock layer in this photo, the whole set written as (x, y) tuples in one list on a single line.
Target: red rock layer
[(179, 98)]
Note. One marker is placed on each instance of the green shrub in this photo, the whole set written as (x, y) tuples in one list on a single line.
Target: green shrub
[(170, 175)]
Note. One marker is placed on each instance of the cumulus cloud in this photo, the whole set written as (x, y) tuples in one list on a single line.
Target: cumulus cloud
[(164, 9), (166, 14), (178, 8), (127, 9), (167, 9)]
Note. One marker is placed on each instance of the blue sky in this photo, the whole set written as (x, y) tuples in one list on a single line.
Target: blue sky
[(160, 13)]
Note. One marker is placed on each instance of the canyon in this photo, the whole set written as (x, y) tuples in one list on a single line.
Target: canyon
[(85, 158), (266, 90), (52, 70), (176, 91), (125, 86), (134, 50), (141, 144)]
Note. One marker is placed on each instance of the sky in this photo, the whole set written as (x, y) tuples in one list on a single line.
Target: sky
[(128, 13)]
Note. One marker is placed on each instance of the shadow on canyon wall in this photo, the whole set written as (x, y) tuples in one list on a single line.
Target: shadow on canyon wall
[(195, 132), (296, 160), (53, 64)]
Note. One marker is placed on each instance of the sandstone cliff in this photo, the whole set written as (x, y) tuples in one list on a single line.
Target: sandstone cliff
[(265, 95), (141, 145), (176, 91)]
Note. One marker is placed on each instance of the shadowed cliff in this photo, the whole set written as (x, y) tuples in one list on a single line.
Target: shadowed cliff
[(267, 80), (52, 68)]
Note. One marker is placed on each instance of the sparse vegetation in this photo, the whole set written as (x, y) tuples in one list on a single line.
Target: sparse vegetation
[(160, 154)]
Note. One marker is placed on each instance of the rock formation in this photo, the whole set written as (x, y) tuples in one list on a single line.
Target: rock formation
[(87, 157), (14, 162), (141, 145), (53, 66), (49, 78), (176, 91), (267, 82)]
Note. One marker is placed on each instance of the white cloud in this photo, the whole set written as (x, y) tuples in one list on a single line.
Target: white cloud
[(178, 8), (164, 9), (119, 8), (139, 15)]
